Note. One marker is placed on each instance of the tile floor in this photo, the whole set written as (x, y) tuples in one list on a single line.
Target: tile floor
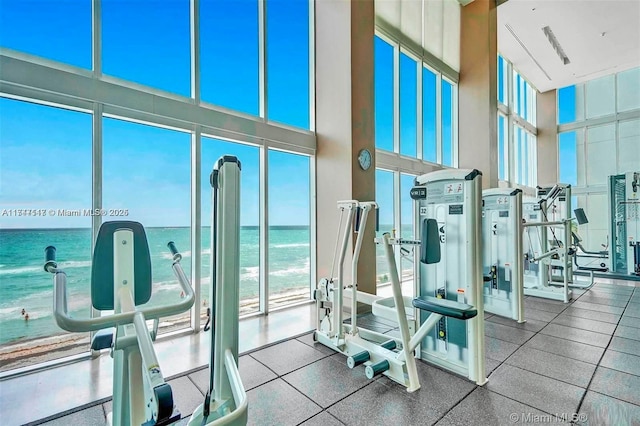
[(581, 359)]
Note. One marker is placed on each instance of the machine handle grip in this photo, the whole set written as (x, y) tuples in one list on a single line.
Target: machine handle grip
[(174, 251), (50, 258)]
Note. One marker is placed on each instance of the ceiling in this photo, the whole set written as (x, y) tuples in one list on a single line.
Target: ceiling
[(599, 37)]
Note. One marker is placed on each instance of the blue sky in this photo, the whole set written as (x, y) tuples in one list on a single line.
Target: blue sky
[(45, 153), (567, 154)]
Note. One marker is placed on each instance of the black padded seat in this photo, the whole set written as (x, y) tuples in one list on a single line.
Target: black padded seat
[(445, 307)]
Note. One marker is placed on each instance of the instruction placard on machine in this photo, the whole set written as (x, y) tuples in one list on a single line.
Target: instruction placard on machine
[(447, 193)]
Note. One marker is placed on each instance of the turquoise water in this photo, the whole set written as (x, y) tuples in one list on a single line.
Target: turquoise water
[(25, 285)]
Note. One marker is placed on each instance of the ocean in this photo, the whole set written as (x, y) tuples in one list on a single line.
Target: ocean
[(25, 285)]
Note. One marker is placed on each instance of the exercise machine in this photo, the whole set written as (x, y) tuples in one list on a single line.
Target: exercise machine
[(624, 223), (602, 255), (539, 257), (558, 208), (380, 353), (450, 201), (502, 253), (429, 314), (121, 281), (226, 401)]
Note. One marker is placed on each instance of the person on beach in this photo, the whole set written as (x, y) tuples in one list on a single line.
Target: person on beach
[(26, 317), (23, 312)]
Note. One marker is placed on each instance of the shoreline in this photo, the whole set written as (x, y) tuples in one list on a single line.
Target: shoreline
[(26, 352), (30, 351)]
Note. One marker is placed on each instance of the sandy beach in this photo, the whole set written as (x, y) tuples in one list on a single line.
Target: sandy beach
[(26, 352)]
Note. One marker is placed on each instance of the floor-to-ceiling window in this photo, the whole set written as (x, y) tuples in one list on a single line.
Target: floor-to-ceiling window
[(142, 98), (598, 136), (517, 159), (415, 133)]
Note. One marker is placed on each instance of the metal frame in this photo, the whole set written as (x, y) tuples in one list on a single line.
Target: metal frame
[(540, 285), (226, 397)]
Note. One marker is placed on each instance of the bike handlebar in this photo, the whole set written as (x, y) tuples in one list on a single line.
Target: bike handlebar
[(68, 323)]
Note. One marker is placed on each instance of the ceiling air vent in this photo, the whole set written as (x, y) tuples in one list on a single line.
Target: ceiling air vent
[(555, 44)]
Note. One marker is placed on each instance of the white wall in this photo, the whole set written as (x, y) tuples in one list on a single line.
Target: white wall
[(432, 24)]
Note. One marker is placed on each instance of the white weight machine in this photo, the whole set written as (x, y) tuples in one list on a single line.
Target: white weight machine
[(502, 253), (542, 256), (447, 313)]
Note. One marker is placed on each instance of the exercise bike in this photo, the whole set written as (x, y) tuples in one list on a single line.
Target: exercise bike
[(121, 281)]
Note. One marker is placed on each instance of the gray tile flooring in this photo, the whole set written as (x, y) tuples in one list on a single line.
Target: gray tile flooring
[(577, 363)]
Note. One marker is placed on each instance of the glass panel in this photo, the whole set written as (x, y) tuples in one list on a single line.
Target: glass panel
[(628, 90), (567, 105), (383, 78), (525, 101), (601, 153), (148, 42), (137, 161), (384, 198), (601, 96), (288, 61), (408, 106), (518, 142), (516, 92), (447, 123), (406, 231), (502, 82), (525, 160), (628, 146), (229, 54), (567, 158), (503, 159), (249, 156), (289, 237), (533, 160), (571, 104), (533, 94), (429, 132), (45, 192), (58, 30)]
